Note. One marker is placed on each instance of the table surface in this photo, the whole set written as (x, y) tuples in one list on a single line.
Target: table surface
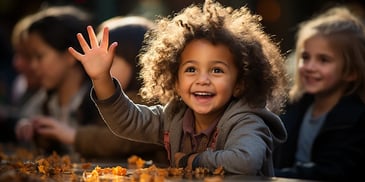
[(77, 175), (9, 171), (225, 178)]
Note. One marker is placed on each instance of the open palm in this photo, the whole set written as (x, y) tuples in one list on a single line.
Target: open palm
[(97, 59)]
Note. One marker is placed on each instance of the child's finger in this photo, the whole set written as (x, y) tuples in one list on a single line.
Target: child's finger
[(85, 47), (74, 53), (112, 48), (105, 39), (92, 37)]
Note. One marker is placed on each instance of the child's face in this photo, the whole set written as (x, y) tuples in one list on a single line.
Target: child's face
[(50, 64), (320, 67), (23, 64), (207, 77)]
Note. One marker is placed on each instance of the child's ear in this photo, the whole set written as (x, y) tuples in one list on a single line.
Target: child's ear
[(238, 89)]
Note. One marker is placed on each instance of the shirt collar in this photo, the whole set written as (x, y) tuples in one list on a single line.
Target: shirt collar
[(189, 124)]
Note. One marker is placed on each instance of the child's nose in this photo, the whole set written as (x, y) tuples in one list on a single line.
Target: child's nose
[(203, 78), (310, 65)]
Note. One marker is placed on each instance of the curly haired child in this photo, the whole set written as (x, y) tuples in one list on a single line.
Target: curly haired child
[(220, 80)]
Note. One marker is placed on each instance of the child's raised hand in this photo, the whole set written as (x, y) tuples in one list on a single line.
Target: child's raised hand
[(97, 59)]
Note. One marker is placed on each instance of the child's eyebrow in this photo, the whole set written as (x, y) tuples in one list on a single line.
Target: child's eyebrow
[(220, 62), (212, 62), (192, 61)]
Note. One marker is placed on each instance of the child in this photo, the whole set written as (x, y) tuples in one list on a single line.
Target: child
[(326, 113), (63, 78), (26, 93), (215, 70), (89, 140)]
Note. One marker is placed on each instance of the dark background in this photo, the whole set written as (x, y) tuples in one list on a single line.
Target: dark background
[(280, 18)]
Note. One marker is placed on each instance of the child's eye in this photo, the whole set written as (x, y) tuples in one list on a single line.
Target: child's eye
[(324, 59), (305, 57), (190, 69), (217, 70)]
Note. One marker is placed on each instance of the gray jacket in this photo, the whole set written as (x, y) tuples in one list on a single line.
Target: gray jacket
[(244, 144)]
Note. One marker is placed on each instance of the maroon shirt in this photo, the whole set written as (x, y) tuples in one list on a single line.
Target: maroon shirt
[(196, 142)]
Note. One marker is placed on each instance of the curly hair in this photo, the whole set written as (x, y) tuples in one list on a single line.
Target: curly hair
[(261, 65)]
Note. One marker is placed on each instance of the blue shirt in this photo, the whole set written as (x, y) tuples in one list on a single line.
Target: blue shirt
[(307, 134)]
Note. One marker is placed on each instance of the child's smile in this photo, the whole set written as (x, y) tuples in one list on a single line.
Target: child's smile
[(203, 97)]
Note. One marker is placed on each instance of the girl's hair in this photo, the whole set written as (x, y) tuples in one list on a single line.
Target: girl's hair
[(346, 33), (129, 31), (258, 59), (57, 26), (19, 32)]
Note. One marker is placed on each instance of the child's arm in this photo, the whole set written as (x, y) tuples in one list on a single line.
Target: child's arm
[(97, 61)]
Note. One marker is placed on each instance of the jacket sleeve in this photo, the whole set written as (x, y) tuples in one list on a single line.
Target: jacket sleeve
[(129, 120), (246, 149)]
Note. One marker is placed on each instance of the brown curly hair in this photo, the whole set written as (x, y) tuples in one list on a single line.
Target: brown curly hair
[(261, 65)]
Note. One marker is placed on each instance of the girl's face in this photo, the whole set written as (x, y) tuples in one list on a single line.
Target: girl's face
[(320, 67), (207, 77), (22, 63), (50, 64)]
